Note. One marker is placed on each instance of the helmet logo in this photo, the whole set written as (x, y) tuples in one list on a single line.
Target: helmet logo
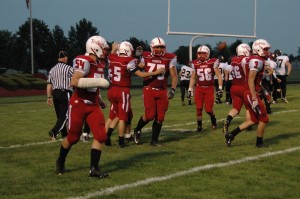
[(97, 43)]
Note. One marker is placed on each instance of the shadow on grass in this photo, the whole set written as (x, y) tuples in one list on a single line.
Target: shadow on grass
[(276, 139), (135, 160)]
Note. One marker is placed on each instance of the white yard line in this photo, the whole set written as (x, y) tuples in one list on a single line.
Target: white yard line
[(147, 181), (145, 129)]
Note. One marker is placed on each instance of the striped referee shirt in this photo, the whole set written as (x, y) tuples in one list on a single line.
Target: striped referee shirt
[(60, 76)]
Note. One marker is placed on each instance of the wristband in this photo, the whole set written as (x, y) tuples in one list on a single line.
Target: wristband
[(220, 87), (49, 97)]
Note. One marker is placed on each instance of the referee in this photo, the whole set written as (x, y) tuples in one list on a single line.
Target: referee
[(59, 92)]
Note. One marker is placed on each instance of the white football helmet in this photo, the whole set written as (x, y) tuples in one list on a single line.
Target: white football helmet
[(158, 42), (261, 47), (125, 48), (243, 50), (97, 45), (203, 49)]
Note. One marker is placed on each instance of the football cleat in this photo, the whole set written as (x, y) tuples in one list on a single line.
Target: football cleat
[(214, 126), (225, 127), (213, 122), (137, 136), (95, 173), (284, 100), (108, 141), (129, 138), (123, 145), (262, 146), (52, 136), (60, 167), (229, 138), (85, 137), (155, 143), (200, 129), (218, 101)]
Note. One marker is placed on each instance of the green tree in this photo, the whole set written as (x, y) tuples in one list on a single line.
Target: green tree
[(57, 42), (182, 54), (135, 43), (7, 43), (41, 38), (78, 36)]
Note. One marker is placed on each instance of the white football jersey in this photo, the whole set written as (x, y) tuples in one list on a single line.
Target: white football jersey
[(221, 67), (273, 65), (186, 72), (280, 61), (229, 69)]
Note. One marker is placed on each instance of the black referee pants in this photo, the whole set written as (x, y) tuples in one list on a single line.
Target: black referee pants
[(61, 102)]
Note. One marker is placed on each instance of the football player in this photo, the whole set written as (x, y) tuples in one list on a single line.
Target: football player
[(203, 73), (237, 90), (122, 65), (155, 94), (185, 75), (84, 105), (256, 110), (282, 70)]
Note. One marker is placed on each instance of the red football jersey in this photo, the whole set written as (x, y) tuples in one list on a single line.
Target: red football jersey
[(153, 63), (120, 70), (255, 63), (90, 69), (238, 70), (205, 71)]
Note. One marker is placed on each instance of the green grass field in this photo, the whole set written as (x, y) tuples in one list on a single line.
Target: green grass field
[(188, 165)]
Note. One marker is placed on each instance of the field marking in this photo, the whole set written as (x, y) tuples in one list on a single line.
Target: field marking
[(145, 130), (29, 144), (147, 181)]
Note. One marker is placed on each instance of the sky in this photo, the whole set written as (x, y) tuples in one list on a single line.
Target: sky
[(118, 20)]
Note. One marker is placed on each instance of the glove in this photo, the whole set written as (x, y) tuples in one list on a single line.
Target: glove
[(190, 93), (254, 104), (102, 105), (171, 93), (219, 93)]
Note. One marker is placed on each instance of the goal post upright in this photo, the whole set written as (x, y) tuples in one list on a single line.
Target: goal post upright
[(198, 35)]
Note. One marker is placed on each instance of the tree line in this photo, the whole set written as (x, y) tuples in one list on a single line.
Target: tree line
[(15, 48)]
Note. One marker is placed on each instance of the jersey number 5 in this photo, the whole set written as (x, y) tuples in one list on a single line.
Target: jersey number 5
[(204, 74)]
